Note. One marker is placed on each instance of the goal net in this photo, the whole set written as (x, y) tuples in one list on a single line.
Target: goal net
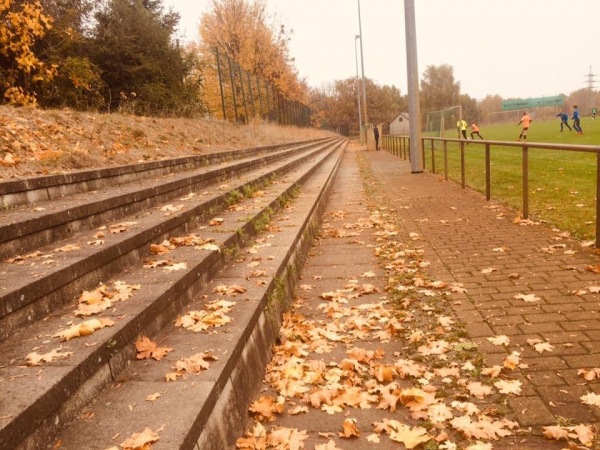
[(504, 116), (443, 122)]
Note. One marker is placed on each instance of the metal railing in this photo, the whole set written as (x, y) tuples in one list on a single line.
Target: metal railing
[(400, 145)]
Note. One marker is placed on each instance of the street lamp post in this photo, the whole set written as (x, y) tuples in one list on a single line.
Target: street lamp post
[(357, 85), (362, 65)]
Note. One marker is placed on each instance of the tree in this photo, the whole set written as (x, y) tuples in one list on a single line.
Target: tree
[(77, 83), (337, 105), (438, 88), (21, 26), (470, 109), (143, 69), (491, 103), (242, 33)]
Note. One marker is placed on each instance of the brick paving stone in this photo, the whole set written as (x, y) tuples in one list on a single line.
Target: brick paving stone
[(546, 378), (587, 361), (548, 317), (563, 308), (582, 315), (540, 327), (581, 325), (531, 411), (545, 362), (479, 329)]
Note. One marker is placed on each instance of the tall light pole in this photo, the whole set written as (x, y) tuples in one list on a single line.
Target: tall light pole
[(362, 64), (414, 108), (357, 85)]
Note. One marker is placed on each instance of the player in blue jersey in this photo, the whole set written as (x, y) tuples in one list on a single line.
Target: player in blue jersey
[(575, 119)]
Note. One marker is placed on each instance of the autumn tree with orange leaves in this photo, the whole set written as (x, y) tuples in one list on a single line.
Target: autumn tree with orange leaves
[(21, 25), (241, 31)]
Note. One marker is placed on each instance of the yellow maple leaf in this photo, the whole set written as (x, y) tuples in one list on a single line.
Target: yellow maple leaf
[(410, 437), (265, 408), (349, 429)]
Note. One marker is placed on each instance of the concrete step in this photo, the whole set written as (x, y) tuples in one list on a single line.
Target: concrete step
[(29, 190), (40, 400)]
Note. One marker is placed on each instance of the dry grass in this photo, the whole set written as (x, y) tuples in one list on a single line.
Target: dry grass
[(58, 141)]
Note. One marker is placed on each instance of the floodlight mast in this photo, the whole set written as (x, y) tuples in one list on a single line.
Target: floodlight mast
[(414, 109), (362, 65), (357, 86)]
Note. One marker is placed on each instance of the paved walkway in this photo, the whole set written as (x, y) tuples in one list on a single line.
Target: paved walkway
[(527, 287)]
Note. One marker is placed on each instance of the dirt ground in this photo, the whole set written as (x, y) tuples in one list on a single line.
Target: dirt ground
[(38, 142)]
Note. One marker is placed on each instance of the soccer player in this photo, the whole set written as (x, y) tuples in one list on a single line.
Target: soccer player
[(461, 127), (575, 120), (564, 120), (475, 130), (526, 121)]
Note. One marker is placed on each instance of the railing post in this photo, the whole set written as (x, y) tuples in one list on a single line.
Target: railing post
[(488, 176), (525, 182), (597, 198), (445, 160), (432, 158), (462, 164), (423, 152)]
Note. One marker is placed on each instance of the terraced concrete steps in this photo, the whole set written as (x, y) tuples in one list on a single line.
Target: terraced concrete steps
[(30, 292), (40, 401)]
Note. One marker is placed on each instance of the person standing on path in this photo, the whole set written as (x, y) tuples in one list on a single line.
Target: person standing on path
[(564, 120), (461, 127), (376, 134), (575, 119), (475, 130), (525, 121)]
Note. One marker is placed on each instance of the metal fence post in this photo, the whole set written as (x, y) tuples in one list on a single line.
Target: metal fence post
[(221, 83), (432, 158), (488, 174), (243, 93), (525, 182), (233, 89), (251, 94), (462, 165), (445, 160), (597, 198)]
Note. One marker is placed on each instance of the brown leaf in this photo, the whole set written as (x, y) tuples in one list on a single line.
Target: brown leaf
[(84, 328), (349, 429), (148, 349), (140, 441), (265, 408), (35, 359)]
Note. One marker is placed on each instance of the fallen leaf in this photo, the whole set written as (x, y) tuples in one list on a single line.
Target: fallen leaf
[(140, 441), (349, 429), (35, 359), (147, 348), (529, 298), (84, 328)]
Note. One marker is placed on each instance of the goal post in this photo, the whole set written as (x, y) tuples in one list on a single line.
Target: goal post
[(443, 121)]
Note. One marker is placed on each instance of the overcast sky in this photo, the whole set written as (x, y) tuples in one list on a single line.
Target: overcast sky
[(513, 48)]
